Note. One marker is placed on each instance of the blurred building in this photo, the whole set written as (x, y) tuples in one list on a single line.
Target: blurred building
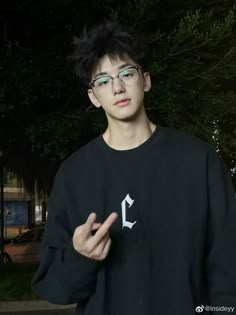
[(21, 208)]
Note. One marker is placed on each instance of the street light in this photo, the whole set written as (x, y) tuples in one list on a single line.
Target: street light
[(2, 201)]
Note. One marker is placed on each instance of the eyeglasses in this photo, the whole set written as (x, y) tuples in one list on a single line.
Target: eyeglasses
[(128, 76)]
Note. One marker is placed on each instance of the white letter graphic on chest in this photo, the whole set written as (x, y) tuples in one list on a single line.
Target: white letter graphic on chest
[(129, 201)]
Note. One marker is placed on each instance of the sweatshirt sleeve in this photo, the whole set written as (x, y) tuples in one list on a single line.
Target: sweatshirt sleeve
[(221, 252), (64, 276)]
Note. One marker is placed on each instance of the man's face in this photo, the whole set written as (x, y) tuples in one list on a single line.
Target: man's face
[(128, 87)]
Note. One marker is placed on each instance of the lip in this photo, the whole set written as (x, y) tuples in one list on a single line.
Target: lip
[(123, 102)]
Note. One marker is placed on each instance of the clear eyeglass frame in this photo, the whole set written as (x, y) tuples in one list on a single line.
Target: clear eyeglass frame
[(127, 76)]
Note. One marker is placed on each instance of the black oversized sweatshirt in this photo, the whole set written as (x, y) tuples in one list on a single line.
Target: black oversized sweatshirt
[(173, 244)]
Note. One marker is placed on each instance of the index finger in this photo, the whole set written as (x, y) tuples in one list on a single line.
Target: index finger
[(88, 226), (104, 228)]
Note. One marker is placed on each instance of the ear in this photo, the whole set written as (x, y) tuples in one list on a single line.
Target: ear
[(147, 82), (93, 98)]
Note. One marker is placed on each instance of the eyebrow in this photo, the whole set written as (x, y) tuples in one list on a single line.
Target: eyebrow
[(119, 68)]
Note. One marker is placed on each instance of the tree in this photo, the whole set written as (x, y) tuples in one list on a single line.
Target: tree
[(45, 113), (194, 67)]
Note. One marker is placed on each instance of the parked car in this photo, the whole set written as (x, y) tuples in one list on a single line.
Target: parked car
[(24, 248), (7, 240)]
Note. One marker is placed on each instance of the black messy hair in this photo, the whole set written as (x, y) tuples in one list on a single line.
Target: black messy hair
[(110, 39)]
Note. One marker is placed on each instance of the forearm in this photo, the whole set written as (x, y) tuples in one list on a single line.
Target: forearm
[(65, 276)]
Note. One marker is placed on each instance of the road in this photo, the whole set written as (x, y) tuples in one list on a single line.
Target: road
[(52, 312)]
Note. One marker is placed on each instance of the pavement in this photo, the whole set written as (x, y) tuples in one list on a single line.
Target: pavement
[(11, 307)]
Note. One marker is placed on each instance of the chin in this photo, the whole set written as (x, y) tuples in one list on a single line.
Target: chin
[(127, 116), (133, 116)]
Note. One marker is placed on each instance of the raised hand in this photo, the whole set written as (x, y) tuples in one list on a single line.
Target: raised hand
[(94, 245)]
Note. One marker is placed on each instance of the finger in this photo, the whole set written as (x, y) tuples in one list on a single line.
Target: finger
[(98, 236), (96, 246), (99, 248), (87, 228), (97, 252), (107, 248), (104, 241), (96, 226)]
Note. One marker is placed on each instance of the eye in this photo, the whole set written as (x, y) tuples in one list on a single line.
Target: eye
[(102, 81), (127, 74)]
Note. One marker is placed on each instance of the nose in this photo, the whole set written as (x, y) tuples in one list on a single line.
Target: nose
[(117, 86)]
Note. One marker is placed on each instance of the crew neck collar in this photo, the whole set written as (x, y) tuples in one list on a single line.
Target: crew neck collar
[(102, 143)]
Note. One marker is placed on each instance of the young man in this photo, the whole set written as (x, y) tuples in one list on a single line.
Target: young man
[(142, 219)]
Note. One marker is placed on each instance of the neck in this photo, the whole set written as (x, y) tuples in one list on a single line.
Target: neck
[(122, 135)]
